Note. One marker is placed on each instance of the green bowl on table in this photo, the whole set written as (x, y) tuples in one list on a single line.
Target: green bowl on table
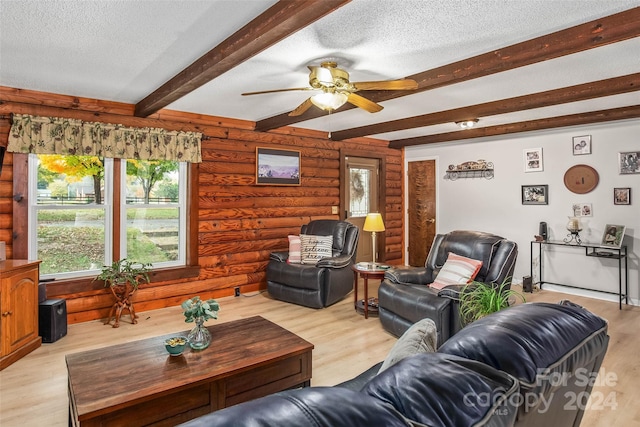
[(175, 345)]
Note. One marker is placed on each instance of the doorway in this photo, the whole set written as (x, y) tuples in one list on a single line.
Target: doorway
[(421, 210), (361, 196)]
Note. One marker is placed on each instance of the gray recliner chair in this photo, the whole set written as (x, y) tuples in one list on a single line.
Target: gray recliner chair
[(404, 298), (322, 284)]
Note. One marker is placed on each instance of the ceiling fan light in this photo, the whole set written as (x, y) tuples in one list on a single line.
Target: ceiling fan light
[(329, 101), (467, 124)]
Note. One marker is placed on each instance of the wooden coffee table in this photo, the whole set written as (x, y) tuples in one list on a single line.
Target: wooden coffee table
[(138, 383)]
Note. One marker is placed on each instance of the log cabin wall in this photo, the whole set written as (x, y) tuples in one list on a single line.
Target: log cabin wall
[(239, 222)]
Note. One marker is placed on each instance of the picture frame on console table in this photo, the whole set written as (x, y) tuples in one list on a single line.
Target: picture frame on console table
[(613, 235), (277, 167)]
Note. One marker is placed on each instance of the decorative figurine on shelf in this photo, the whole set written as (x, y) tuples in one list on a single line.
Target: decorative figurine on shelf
[(574, 228)]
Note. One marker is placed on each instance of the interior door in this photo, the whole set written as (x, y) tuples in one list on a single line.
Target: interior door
[(421, 210), (362, 180)]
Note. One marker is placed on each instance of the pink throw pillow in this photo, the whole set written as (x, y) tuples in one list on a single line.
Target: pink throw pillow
[(458, 270), (295, 257)]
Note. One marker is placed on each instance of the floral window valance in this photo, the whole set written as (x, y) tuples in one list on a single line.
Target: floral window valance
[(55, 135)]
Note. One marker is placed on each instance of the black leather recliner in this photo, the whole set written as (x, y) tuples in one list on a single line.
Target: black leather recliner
[(404, 298), (322, 284)]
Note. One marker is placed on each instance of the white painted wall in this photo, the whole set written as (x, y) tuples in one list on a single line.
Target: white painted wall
[(494, 205)]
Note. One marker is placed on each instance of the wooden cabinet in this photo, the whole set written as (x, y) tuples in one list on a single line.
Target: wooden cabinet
[(18, 310)]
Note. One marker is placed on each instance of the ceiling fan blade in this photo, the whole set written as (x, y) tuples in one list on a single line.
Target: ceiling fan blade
[(402, 84), (364, 103), (277, 90), (300, 109)]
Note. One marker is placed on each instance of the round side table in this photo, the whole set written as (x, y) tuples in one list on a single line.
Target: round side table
[(366, 271)]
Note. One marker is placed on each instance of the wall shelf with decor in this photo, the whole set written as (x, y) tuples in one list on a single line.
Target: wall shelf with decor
[(479, 173), (471, 169)]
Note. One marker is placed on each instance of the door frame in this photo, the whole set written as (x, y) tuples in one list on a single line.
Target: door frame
[(381, 241), (405, 198)]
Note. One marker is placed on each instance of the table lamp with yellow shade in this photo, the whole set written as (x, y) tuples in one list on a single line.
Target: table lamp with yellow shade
[(374, 224)]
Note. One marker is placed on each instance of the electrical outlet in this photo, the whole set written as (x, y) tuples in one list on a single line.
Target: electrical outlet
[(334, 210), (236, 291)]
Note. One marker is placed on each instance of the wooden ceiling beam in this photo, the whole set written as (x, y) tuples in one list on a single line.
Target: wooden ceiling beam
[(591, 117), (582, 92), (276, 23), (600, 32)]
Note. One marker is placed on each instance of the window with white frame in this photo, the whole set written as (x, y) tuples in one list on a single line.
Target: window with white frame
[(153, 209), (71, 213)]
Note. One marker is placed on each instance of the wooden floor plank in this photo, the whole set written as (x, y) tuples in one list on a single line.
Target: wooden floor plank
[(33, 391)]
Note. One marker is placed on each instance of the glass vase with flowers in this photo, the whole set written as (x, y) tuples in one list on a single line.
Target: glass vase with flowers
[(199, 311)]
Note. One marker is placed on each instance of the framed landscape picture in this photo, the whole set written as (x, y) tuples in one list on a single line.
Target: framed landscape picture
[(535, 194), (613, 235), (277, 167)]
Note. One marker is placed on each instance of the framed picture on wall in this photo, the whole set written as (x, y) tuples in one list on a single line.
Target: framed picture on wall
[(581, 145), (533, 160), (277, 167), (582, 209), (613, 235), (535, 194), (629, 162), (622, 196)]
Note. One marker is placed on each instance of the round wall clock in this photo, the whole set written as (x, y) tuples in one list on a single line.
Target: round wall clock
[(581, 179)]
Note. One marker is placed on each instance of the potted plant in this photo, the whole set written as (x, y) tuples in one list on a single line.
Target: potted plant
[(479, 299), (199, 311), (123, 277)]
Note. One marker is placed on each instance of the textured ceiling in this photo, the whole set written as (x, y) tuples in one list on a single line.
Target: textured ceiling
[(124, 50)]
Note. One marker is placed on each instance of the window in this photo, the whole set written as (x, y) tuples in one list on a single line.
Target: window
[(154, 212), (72, 227), (359, 191)]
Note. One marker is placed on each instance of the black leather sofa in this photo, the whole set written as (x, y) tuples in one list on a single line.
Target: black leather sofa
[(404, 298), (410, 393), (554, 350), (321, 284), (523, 366)]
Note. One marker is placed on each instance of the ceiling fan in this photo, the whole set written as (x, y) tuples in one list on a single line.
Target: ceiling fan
[(336, 89)]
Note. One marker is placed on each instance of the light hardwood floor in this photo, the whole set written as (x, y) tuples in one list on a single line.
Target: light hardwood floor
[(33, 391)]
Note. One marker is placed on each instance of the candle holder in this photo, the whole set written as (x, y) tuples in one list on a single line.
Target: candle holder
[(574, 228)]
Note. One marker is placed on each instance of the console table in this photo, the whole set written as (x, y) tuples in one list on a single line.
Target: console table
[(590, 250)]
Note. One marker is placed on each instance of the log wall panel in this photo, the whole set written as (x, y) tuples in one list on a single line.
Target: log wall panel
[(239, 223), (246, 235), (264, 201), (6, 191)]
